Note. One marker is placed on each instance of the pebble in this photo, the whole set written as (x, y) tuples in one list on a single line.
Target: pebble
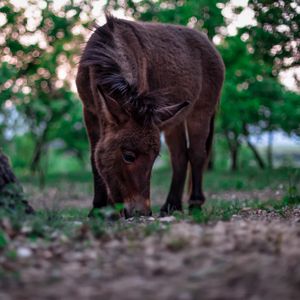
[(23, 252), (168, 219), (77, 223)]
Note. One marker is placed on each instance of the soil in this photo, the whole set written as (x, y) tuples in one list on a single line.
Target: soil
[(54, 198), (255, 255)]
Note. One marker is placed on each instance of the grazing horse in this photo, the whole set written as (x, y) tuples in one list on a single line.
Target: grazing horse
[(137, 80)]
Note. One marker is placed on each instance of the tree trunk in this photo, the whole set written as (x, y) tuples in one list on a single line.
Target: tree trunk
[(270, 149), (11, 192), (233, 144), (256, 154), (6, 174), (234, 158), (39, 151)]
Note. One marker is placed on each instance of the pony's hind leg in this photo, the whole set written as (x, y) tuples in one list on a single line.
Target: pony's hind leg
[(200, 136), (175, 139)]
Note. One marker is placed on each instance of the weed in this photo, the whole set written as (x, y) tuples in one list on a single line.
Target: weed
[(176, 244), (97, 227), (152, 228), (11, 255), (218, 210), (3, 239)]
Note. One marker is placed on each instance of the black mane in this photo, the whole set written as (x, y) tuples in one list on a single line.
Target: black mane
[(100, 53)]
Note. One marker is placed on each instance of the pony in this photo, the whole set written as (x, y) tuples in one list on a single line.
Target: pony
[(135, 81)]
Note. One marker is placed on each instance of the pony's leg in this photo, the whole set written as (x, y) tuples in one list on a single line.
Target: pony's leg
[(200, 131), (176, 142), (93, 130)]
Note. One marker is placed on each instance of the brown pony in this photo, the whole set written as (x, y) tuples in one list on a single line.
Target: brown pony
[(136, 80)]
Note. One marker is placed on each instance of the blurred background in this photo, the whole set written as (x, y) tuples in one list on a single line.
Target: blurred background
[(257, 141)]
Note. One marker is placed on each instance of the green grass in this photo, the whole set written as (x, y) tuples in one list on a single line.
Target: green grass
[(243, 180), (214, 181), (52, 179), (73, 223), (250, 179), (72, 227)]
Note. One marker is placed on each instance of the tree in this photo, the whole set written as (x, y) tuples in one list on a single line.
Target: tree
[(275, 39), (253, 101), (11, 193), (276, 36), (201, 14), (38, 59)]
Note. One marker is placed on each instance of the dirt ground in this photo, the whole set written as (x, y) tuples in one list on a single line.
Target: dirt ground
[(71, 197), (255, 255)]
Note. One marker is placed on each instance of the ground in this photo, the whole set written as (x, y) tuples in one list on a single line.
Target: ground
[(244, 244)]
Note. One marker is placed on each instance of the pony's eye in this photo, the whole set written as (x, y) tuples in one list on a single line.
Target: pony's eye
[(129, 157)]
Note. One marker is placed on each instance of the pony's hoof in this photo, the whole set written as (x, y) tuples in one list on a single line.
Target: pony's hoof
[(95, 213), (168, 209), (195, 206)]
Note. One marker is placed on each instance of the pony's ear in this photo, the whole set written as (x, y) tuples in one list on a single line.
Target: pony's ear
[(165, 114), (113, 111)]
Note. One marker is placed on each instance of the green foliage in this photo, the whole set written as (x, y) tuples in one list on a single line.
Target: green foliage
[(287, 112), (201, 14), (3, 239), (32, 60), (275, 37), (38, 58)]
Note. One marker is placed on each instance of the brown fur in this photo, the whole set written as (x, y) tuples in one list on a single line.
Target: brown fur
[(135, 80)]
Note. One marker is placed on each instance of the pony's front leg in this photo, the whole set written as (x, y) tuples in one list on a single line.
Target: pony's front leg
[(100, 195), (177, 145)]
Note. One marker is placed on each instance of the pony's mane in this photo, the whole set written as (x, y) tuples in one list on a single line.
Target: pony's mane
[(100, 53)]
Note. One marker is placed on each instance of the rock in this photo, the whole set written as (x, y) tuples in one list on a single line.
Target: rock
[(24, 252), (77, 223), (167, 219)]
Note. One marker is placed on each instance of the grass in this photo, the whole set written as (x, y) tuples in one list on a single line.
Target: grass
[(214, 181), (243, 180), (74, 222), (72, 227)]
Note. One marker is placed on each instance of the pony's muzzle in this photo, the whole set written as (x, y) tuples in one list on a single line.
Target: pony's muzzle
[(137, 207)]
